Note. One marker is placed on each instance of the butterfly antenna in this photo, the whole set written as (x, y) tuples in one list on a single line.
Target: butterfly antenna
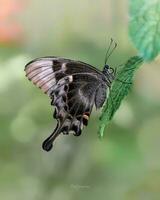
[(109, 52)]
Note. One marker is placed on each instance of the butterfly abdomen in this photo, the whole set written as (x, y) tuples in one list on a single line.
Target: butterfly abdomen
[(100, 96)]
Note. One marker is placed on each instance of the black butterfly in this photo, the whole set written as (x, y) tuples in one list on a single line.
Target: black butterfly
[(74, 87)]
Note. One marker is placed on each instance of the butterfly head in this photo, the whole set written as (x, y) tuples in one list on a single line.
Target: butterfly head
[(106, 67), (109, 72)]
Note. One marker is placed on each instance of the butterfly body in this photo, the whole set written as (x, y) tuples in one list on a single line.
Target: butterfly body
[(74, 88)]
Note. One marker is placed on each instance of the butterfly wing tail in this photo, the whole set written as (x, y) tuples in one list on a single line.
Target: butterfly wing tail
[(48, 143)]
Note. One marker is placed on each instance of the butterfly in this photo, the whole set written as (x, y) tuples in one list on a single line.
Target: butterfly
[(74, 88)]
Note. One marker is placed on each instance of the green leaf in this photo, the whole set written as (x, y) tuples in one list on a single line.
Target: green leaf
[(144, 27), (120, 88)]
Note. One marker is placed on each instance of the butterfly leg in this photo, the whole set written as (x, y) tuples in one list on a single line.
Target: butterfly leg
[(124, 82)]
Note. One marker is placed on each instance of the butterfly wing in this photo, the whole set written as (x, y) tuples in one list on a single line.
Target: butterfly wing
[(73, 87)]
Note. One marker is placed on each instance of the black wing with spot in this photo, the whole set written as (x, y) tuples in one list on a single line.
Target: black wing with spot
[(74, 88)]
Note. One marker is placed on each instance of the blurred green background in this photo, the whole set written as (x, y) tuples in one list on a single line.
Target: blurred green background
[(125, 165)]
